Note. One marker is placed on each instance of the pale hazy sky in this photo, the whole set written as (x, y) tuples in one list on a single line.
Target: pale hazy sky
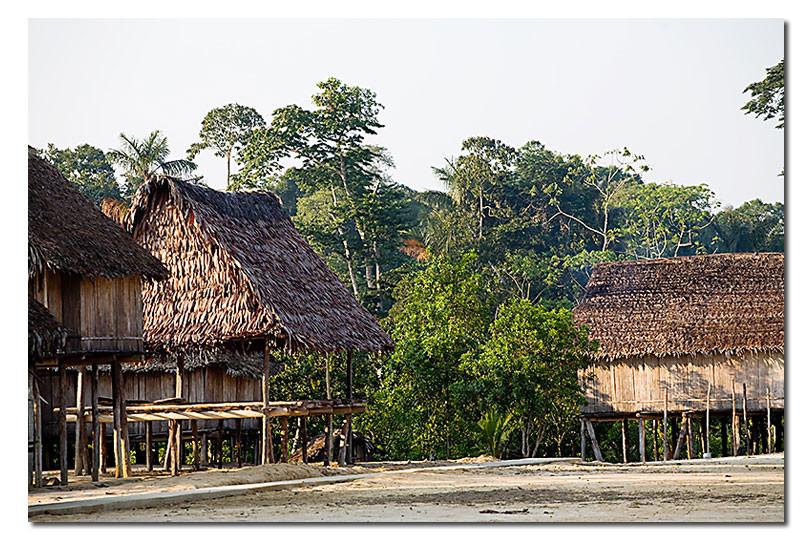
[(668, 89)]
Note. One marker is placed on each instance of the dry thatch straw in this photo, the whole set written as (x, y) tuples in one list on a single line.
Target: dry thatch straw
[(239, 270), (706, 304), (46, 338), (67, 233)]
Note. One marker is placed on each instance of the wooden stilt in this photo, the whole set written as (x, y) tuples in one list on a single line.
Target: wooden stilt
[(655, 439), (680, 437), (623, 430), (204, 449), (747, 449), (348, 443), (220, 437), (267, 432), (170, 447), (37, 412), (195, 447), (238, 444), (79, 425), (596, 451), (148, 444), (95, 424), (63, 424), (734, 428), (689, 441), (641, 438), (665, 425), (706, 437), (303, 435), (723, 429), (342, 448), (284, 450), (583, 440), (328, 429), (769, 424), (103, 456)]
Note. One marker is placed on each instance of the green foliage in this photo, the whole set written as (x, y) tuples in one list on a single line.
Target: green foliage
[(767, 96), (441, 312), (225, 130), (88, 168), (143, 159), (529, 366), (754, 226), (494, 431)]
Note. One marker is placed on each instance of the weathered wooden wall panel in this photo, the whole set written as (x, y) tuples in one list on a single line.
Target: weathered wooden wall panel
[(630, 386)]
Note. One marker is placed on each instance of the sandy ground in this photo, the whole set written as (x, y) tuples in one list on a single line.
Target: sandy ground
[(732, 490)]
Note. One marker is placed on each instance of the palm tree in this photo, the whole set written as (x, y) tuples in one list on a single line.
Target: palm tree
[(143, 159)]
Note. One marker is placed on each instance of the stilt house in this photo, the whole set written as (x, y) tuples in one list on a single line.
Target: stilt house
[(689, 337), (243, 284), (84, 297)]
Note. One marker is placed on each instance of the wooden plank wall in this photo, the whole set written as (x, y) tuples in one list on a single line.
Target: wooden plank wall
[(630, 386), (112, 308)]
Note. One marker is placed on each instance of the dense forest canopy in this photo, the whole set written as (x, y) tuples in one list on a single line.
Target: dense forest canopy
[(474, 283)]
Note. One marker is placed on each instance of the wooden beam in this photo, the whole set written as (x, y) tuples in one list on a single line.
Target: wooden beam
[(624, 428), (734, 440), (95, 424), (78, 439), (267, 432), (204, 447), (583, 440), (680, 437), (769, 424), (63, 425), (148, 444), (746, 424), (195, 447), (303, 437), (594, 440), (665, 425), (348, 443), (328, 428), (641, 438)]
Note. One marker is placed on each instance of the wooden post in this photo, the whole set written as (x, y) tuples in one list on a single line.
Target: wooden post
[(220, 435), (170, 446), (348, 442), (63, 424), (724, 436), (623, 429), (706, 438), (583, 440), (37, 412), (328, 435), (204, 449), (680, 437), (148, 444), (746, 423), (594, 440), (267, 432), (195, 446), (342, 449), (656, 439), (303, 437), (284, 450), (238, 445), (102, 448), (641, 438), (78, 439), (734, 440), (689, 441), (703, 440), (95, 423), (665, 425), (769, 424)]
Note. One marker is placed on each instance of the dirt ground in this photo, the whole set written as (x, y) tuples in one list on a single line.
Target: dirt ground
[(732, 490)]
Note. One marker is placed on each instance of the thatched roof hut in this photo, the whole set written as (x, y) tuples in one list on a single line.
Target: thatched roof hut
[(668, 329), (83, 270), (707, 304), (67, 233), (240, 271)]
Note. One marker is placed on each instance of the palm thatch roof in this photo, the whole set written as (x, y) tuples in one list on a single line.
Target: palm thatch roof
[(46, 338), (67, 233), (239, 270), (700, 305)]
